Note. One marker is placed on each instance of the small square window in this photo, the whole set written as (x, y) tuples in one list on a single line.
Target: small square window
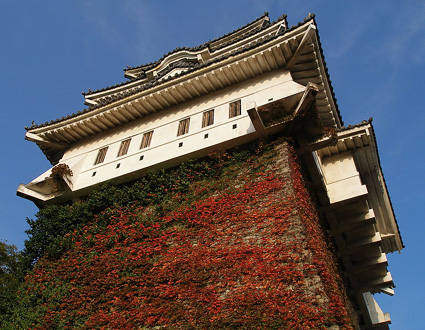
[(124, 147), (234, 109), (234, 126), (208, 118), (180, 144), (93, 174), (206, 136), (118, 165), (183, 126), (146, 140), (141, 157), (101, 155)]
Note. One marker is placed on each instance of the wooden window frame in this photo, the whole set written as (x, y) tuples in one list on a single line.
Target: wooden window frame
[(208, 118), (124, 147), (234, 109), (183, 126), (101, 154), (146, 140)]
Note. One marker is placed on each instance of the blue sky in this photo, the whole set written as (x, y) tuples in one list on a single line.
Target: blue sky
[(51, 51)]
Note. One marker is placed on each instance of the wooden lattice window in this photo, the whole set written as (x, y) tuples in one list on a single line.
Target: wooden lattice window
[(208, 118), (183, 126), (234, 109), (124, 147), (101, 156), (146, 140)]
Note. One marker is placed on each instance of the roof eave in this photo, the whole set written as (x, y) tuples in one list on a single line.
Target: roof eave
[(163, 85), (361, 141), (136, 103)]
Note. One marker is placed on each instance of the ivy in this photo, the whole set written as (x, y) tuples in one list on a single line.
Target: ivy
[(47, 231), (233, 242)]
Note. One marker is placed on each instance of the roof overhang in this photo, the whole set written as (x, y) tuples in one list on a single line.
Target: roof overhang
[(297, 49), (361, 142)]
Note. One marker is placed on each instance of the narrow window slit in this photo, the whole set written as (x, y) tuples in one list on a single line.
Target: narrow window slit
[(183, 127), (146, 140), (208, 118), (101, 155), (234, 109), (124, 147)]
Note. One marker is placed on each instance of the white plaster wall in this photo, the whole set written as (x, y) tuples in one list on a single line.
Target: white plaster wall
[(165, 142), (342, 178)]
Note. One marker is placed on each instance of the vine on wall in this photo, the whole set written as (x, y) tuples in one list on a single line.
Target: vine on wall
[(240, 249)]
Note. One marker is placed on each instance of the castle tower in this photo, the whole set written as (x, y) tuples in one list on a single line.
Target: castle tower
[(263, 80)]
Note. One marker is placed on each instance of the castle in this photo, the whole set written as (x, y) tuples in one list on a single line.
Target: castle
[(262, 79)]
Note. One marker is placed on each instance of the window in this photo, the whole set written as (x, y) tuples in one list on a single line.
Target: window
[(234, 109), (101, 155), (183, 126), (208, 118), (124, 147), (146, 140)]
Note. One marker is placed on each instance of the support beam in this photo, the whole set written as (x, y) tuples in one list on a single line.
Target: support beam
[(201, 85), (257, 64), (265, 61), (37, 139), (310, 30), (232, 73), (225, 76), (140, 107), (251, 71), (256, 120), (170, 95)]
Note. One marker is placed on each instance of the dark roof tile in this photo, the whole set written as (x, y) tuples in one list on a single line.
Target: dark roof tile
[(157, 80)]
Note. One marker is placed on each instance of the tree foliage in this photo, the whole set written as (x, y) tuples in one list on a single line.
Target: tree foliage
[(52, 223), (9, 277)]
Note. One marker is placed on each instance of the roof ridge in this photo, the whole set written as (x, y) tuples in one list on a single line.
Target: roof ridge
[(195, 48), (204, 45), (112, 98)]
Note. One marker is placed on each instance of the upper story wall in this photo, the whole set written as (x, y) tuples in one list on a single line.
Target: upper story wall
[(118, 155)]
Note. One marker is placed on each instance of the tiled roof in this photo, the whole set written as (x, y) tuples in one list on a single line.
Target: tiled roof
[(192, 49), (361, 124), (196, 48), (191, 68)]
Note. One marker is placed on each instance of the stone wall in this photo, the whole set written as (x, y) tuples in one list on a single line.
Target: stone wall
[(240, 249)]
